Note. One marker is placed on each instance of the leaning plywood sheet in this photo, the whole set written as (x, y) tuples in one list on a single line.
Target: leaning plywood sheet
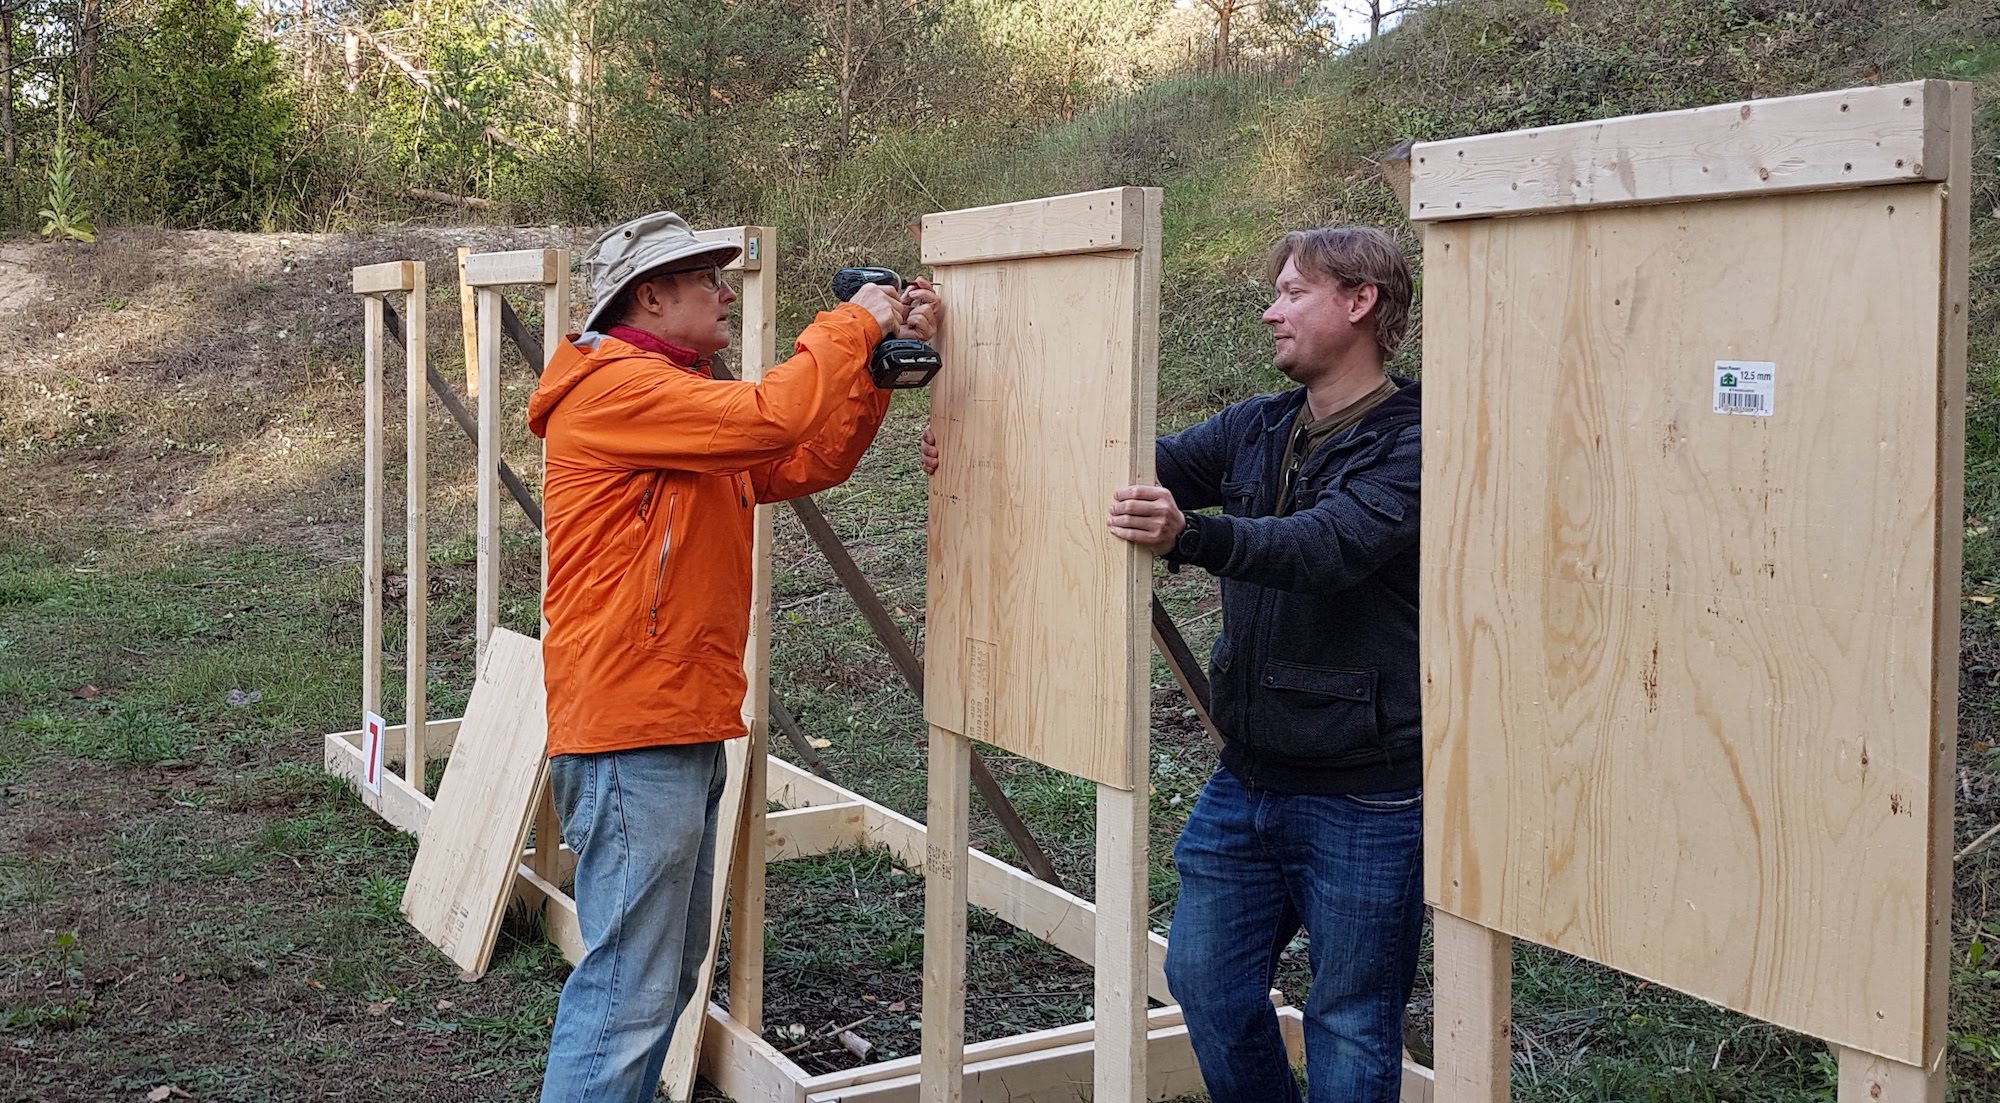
[(1036, 631), (1690, 531), (464, 872)]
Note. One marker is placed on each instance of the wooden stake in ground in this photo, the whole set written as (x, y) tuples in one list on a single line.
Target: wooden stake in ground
[(468, 326)]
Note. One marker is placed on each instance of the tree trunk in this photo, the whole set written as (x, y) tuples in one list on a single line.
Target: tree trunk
[(1069, 81), (352, 48), (1222, 13), (846, 77), (7, 83), (308, 48), (1374, 19), (573, 110), (88, 35)]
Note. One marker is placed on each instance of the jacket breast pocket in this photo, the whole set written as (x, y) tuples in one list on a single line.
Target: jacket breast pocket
[(1239, 497), (1318, 712)]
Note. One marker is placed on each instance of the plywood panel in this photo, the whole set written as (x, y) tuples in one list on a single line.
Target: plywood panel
[(464, 871), (1679, 665), (1036, 630)]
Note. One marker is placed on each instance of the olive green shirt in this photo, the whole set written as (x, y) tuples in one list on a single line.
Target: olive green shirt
[(1308, 433)]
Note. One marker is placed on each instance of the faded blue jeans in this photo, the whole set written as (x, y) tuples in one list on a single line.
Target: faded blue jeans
[(642, 823), (1256, 866)]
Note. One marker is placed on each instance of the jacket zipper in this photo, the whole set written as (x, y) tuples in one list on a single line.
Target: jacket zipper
[(660, 576)]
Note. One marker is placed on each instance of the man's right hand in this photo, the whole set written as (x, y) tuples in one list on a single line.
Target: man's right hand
[(883, 304)]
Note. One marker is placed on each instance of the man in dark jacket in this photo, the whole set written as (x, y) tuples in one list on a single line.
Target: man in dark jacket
[(1314, 819)]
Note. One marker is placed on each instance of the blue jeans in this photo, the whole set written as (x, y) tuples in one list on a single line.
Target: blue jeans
[(1255, 867), (642, 823)]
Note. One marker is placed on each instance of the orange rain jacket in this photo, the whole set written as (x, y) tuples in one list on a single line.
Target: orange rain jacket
[(653, 470)]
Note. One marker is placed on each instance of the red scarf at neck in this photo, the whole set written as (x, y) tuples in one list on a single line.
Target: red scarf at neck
[(682, 356)]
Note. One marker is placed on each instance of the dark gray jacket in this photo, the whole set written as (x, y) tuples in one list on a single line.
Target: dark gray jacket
[(1315, 673)]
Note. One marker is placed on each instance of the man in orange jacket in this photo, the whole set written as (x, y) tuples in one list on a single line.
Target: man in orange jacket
[(654, 468)]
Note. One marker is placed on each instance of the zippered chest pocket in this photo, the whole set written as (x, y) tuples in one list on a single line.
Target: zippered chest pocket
[(655, 592), (649, 497)]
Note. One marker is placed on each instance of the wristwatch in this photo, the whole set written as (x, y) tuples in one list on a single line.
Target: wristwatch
[(1189, 541)]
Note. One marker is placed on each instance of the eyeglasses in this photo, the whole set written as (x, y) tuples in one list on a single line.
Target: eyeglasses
[(711, 278)]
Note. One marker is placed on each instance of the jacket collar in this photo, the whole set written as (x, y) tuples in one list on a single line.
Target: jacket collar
[(1399, 409), (681, 355)]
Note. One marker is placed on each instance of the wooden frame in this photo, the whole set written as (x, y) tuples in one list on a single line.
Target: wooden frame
[(373, 282), (1578, 645), (821, 816), (1852, 138), (1049, 657)]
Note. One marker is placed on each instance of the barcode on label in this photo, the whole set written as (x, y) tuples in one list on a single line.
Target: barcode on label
[(1745, 387)]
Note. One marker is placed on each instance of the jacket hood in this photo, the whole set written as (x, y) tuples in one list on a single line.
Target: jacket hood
[(574, 360)]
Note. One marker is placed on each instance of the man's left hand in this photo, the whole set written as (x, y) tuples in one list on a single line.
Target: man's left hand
[(926, 311), (1146, 516)]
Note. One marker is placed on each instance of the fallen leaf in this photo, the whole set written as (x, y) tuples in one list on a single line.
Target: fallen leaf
[(819, 744), (238, 699), (899, 1005), (796, 1030), (1980, 599), (380, 1008), (179, 977), (89, 693), (311, 983), (160, 1094), (445, 1005)]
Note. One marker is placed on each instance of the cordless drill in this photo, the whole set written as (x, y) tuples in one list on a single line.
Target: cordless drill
[(899, 362)]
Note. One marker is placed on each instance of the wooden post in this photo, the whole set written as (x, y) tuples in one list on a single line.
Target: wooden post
[(1474, 986), (1122, 962), (746, 890), (371, 507), (486, 601), (1866, 1078), (946, 838), (468, 325), (416, 595), (547, 862)]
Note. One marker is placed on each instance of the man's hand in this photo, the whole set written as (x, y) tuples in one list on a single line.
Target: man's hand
[(930, 451), (926, 311), (884, 305), (1147, 516)]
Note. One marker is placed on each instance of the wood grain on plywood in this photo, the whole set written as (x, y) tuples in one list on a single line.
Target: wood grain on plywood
[(1679, 665), (464, 871), (1037, 622)]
